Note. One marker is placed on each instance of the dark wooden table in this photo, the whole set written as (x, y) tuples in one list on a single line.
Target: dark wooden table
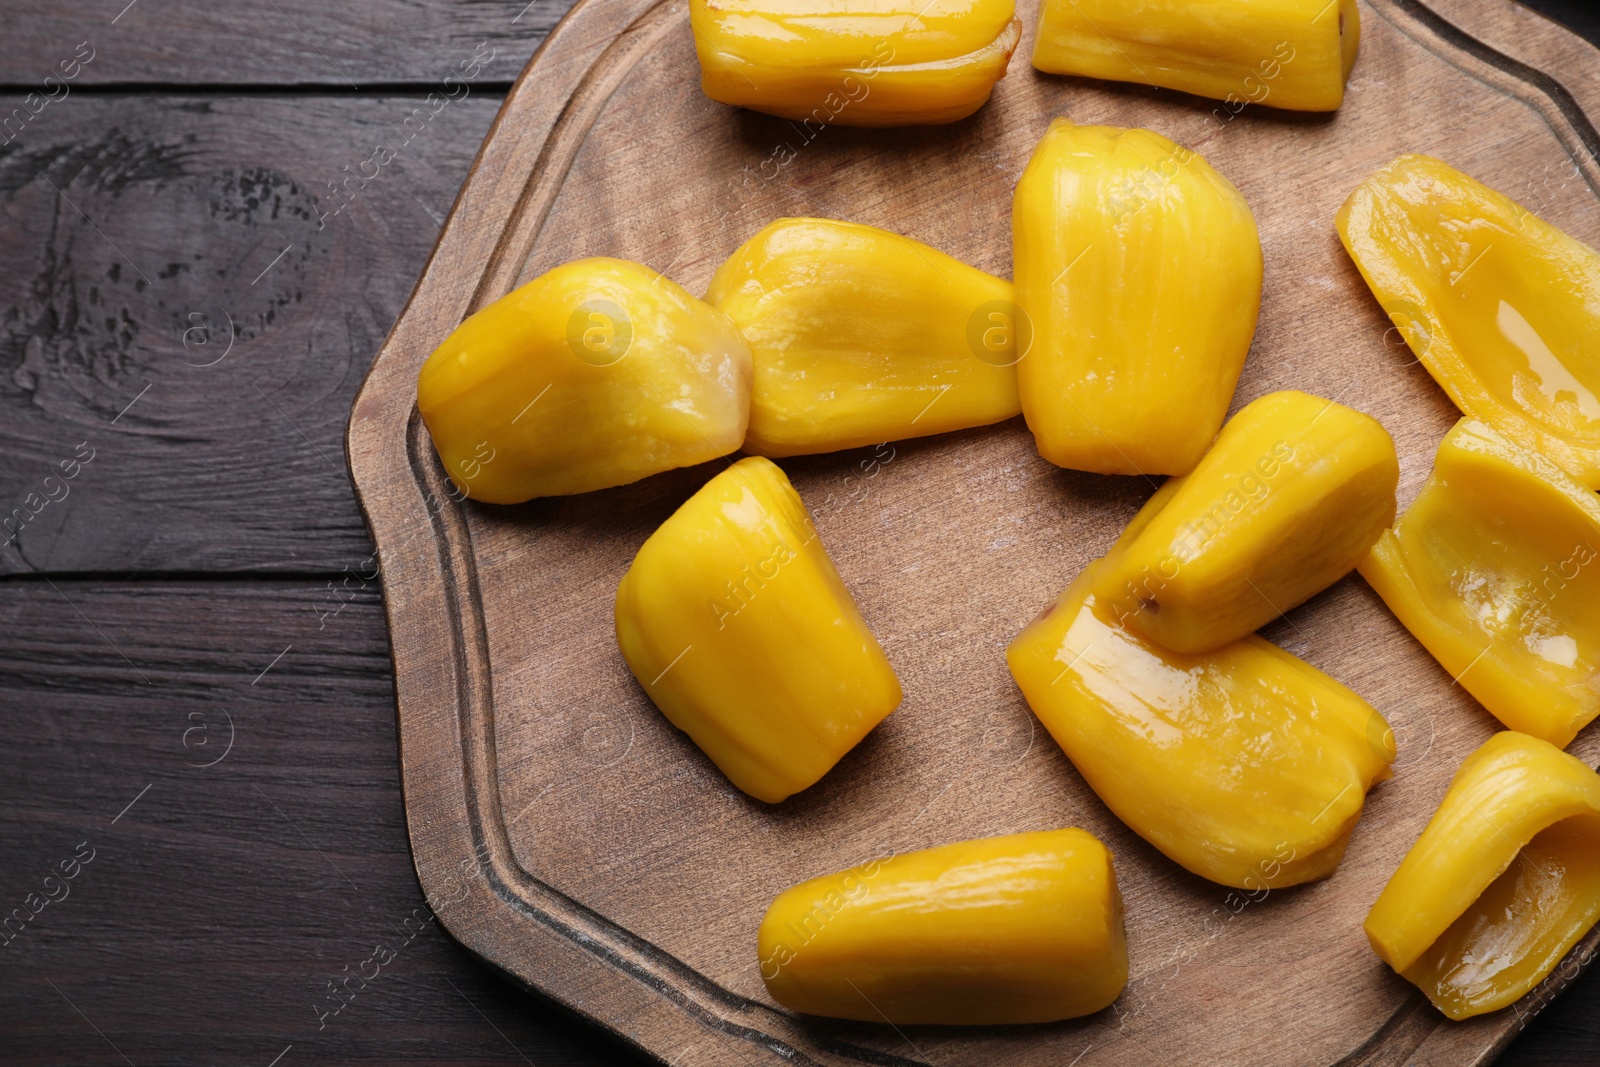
[(203, 856)]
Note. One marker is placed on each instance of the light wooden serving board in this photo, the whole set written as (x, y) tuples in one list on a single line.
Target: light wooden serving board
[(563, 831)]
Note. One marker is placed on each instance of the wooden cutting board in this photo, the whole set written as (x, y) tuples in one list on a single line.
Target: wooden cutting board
[(563, 831)]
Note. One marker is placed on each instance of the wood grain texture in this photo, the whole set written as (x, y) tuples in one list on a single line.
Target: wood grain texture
[(218, 907), (1522, 32), (205, 930), (619, 871), (188, 295), (205, 948), (280, 43)]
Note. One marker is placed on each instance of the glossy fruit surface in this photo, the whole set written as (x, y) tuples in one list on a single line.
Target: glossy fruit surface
[(1287, 502), (596, 373), (1495, 568), (860, 336), (1501, 884), (1245, 764), (1138, 269), (734, 620), (1501, 307), (1292, 54), (1025, 928), (865, 63)]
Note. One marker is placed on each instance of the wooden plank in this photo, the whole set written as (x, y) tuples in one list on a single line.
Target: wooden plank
[(192, 516), (302, 42), (141, 236), (202, 896), (948, 558), (282, 42), (205, 928), (225, 888)]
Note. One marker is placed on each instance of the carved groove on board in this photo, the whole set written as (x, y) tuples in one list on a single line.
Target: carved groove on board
[(1400, 1035), (508, 889), (571, 129), (1459, 41)]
